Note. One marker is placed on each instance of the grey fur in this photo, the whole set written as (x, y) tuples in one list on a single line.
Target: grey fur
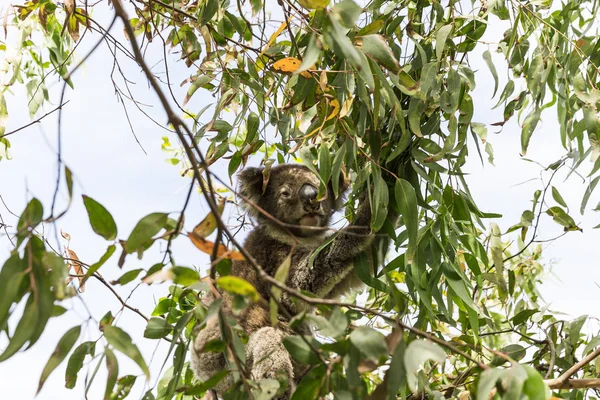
[(270, 244)]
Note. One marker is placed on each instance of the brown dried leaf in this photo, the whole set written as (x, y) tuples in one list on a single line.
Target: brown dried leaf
[(72, 262), (159, 276), (5, 21), (209, 223), (393, 339), (208, 246), (69, 7), (267, 174), (366, 365)]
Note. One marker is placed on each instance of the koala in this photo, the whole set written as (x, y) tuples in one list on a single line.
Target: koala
[(290, 197)]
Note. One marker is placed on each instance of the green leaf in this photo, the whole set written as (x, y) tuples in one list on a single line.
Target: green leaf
[(528, 127), (347, 12), (69, 180), (94, 267), (487, 382), (11, 276), (29, 219), (592, 344), (523, 316), (300, 350), (332, 328), (507, 91), (396, 375), (496, 249), (575, 329), (122, 342), (157, 328), (459, 287), (406, 200), (561, 217), (266, 389), (338, 322), (324, 166), (308, 388), (557, 197), (64, 346), (417, 353), (164, 306), (184, 276), (416, 108), (252, 128), (499, 9), (344, 47), (197, 83), (234, 163), (281, 275), (336, 170), (207, 11), (236, 285), (199, 390), (586, 195), (534, 386), (124, 385), (370, 342), (362, 267), (311, 55), (24, 331), (440, 40), (214, 346), (112, 366), (141, 236), (514, 351), (256, 6), (377, 48), (75, 362), (127, 277), (487, 57), (100, 219)]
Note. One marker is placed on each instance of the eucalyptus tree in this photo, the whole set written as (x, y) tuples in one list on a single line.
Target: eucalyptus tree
[(378, 92)]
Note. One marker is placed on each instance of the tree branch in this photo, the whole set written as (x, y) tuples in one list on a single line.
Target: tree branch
[(564, 378), (575, 384)]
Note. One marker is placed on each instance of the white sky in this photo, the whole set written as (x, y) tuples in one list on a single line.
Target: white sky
[(110, 167)]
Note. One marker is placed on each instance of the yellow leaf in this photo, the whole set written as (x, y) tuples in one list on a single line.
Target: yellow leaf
[(208, 246), (236, 285), (328, 109), (274, 37), (289, 65), (335, 105), (209, 223), (314, 4)]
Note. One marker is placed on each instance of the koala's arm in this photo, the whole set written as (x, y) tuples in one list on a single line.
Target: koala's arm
[(335, 261)]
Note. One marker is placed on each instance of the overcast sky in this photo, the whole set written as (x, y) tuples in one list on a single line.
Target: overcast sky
[(110, 166)]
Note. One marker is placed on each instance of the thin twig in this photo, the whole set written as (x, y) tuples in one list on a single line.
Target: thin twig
[(37, 121), (123, 302)]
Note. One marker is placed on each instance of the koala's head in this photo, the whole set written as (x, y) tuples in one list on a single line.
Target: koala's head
[(290, 196)]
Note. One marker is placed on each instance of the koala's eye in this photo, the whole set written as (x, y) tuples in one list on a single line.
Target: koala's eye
[(286, 194)]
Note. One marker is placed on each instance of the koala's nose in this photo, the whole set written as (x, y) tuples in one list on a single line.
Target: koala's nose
[(308, 193)]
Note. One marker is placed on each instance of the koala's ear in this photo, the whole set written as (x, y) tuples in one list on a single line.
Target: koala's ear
[(250, 185)]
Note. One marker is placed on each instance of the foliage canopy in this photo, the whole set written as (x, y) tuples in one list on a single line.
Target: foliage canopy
[(379, 91)]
